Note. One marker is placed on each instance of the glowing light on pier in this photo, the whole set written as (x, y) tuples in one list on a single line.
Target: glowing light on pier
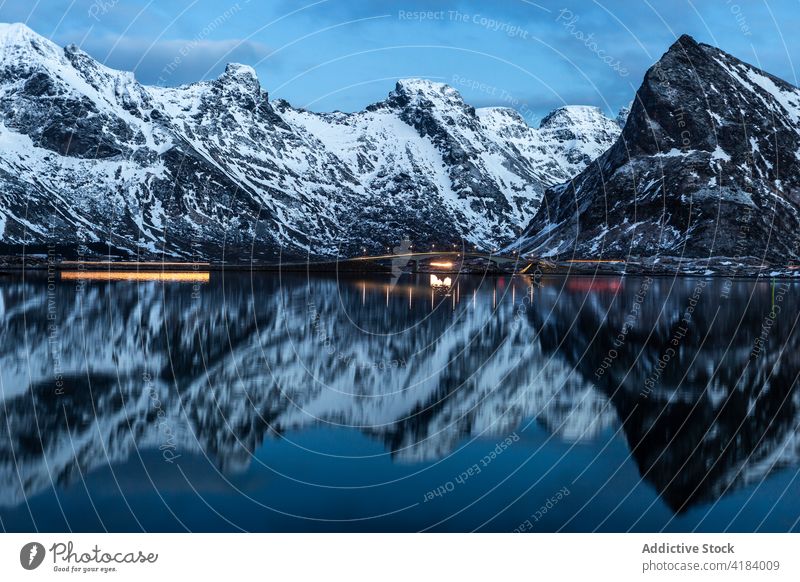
[(437, 282)]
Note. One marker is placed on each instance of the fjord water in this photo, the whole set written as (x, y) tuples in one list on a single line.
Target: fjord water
[(267, 402)]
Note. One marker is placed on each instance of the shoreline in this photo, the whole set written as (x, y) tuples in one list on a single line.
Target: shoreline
[(360, 267)]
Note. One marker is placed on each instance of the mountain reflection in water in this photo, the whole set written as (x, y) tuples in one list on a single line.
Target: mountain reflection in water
[(273, 402)]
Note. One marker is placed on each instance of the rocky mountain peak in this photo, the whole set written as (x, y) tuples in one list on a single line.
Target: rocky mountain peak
[(622, 115), (242, 78), (696, 96), (239, 73), (579, 129), (425, 87), (17, 33), (239, 84), (425, 93), (23, 48), (710, 147), (572, 115)]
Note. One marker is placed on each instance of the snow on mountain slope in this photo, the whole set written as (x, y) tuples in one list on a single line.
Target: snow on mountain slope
[(579, 135), (92, 161), (482, 171)]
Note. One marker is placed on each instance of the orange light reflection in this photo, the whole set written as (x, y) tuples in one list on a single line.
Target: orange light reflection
[(176, 276)]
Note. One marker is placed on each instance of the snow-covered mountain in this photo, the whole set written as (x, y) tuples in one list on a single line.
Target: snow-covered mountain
[(91, 159), (708, 165)]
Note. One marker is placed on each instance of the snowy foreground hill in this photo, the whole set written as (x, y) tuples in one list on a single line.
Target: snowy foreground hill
[(93, 161)]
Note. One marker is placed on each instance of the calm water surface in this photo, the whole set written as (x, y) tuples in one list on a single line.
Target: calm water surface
[(262, 402)]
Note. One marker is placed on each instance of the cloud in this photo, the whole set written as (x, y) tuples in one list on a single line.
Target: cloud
[(175, 61), (201, 36), (162, 44)]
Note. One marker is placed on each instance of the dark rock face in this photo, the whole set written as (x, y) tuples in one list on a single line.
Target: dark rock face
[(216, 171), (707, 165)]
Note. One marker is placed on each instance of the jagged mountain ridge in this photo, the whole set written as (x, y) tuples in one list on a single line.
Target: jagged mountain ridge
[(706, 166), (91, 158)]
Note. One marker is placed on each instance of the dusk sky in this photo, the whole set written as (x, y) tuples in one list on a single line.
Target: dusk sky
[(345, 54)]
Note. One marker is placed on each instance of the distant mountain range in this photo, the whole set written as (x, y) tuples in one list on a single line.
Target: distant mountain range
[(94, 163)]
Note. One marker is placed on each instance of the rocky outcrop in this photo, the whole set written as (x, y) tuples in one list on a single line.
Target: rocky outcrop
[(707, 166)]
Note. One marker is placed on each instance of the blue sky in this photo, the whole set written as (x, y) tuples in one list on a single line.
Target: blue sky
[(345, 54)]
